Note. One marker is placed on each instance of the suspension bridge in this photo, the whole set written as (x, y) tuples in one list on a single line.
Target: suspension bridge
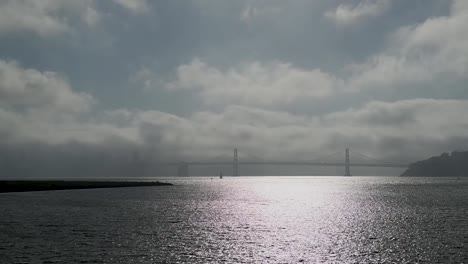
[(183, 166)]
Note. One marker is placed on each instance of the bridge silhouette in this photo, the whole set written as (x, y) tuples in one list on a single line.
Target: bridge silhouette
[(183, 166)]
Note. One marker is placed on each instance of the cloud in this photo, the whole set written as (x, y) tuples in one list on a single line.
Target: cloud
[(137, 6), (144, 77), (416, 127), (435, 50), (44, 119), (432, 53), (345, 14), (399, 130), (251, 12), (248, 13), (29, 88), (275, 83), (420, 126), (133, 140), (44, 18), (91, 16), (408, 117)]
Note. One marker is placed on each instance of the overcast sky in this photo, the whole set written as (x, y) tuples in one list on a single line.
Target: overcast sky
[(191, 80)]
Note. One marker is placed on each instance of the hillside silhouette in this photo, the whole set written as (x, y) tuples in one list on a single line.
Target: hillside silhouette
[(454, 164)]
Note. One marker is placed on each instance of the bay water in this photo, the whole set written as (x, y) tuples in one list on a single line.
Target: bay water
[(242, 220)]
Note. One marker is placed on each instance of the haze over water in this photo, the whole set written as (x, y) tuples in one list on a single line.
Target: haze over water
[(242, 220)]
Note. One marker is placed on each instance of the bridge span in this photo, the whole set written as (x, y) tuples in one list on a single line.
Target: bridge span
[(183, 166), (294, 163)]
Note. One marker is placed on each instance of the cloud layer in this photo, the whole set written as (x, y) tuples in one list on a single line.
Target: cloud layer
[(137, 6), (345, 14), (382, 129), (434, 50), (29, 88), (45, 18), (405, 100), (252, 84)]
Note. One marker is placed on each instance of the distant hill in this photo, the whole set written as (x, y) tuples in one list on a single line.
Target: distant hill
[(454, 164)]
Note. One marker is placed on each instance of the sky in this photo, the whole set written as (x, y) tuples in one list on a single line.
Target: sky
[(93, 87)]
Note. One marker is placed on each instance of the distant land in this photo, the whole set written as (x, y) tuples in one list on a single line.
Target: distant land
[(454, 164), (29, 186)]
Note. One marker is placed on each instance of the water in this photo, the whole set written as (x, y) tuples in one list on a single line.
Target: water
[(242, 220)]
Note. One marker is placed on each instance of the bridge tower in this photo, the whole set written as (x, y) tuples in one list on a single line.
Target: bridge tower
[(235, 169), (182, 169), (347, 170)]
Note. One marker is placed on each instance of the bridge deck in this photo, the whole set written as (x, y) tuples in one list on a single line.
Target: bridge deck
[(285, 163)]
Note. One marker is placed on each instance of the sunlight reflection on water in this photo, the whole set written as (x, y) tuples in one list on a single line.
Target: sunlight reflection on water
[(242, 220)]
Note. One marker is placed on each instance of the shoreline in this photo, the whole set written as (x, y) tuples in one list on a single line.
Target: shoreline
[(7, 186)]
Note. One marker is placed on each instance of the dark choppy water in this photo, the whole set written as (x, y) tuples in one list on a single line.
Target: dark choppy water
[(242, 220)]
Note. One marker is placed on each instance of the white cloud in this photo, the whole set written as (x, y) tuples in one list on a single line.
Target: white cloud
[(137, 6), (407, 118), (45, 17), (145, 78), (387, 71), (91, 16), (32, 103), (404, 129), (407, 129), (435, 50), (371, 129), (29, 88), (432, 53), (346, 14), (251, 12), (253, 84)]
